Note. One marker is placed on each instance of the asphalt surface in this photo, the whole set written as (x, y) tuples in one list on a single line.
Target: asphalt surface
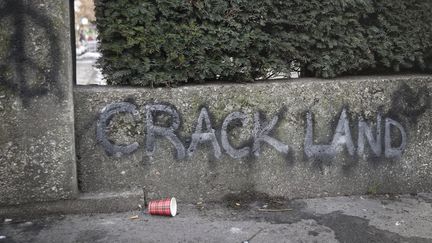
[(243, 217)]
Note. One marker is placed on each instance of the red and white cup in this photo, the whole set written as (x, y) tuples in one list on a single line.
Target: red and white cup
[(165, 207)]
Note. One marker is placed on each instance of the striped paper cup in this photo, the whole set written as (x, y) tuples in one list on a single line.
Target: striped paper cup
[(166, 207)]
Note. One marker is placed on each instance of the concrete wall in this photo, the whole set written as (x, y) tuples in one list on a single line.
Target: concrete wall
[(37, 146), (302, 138)]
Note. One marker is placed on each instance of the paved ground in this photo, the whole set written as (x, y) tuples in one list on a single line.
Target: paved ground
[(87, 73), (241, 218)]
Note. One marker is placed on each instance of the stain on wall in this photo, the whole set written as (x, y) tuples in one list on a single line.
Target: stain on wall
[(410, 103)]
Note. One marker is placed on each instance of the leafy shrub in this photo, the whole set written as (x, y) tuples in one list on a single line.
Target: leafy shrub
[(173, 42)]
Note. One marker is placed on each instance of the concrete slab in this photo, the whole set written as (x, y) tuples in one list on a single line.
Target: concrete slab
[(391, 218), (301, 138), (37, 143)]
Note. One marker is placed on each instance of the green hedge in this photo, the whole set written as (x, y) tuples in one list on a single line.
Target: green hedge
[(172, 42)]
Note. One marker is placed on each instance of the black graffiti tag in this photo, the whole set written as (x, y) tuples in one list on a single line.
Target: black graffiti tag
[(24, 76), (371, 140), (105, 118)]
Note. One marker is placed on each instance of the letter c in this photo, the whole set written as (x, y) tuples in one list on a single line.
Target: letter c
[(106, 115)]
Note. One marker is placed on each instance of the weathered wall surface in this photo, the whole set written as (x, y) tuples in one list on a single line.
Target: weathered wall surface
[(304, 138), (37, 151)]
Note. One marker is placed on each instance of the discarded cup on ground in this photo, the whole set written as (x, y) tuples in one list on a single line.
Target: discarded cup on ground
[(165, 207)]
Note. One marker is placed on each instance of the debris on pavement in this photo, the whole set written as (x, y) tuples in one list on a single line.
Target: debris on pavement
[(274, 210), (8, 220), (253, 236), (200, 205), (145, 196), (165, 207), (2, 237), (134, 217)]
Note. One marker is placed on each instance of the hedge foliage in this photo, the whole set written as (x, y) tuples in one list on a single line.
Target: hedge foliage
[(172, 42)]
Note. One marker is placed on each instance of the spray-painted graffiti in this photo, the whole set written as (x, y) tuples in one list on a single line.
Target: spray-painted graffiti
[(104, 119), (343, 139), (169, 132), (18, 68), (371, 141)]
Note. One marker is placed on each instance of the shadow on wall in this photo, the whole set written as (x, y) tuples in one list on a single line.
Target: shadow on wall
[(20, 71)]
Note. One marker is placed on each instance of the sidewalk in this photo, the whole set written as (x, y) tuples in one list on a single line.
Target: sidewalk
[(87, 73), (387, 218)]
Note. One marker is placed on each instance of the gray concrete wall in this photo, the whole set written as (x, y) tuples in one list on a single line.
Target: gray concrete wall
[(302, 138), (37, 146)]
